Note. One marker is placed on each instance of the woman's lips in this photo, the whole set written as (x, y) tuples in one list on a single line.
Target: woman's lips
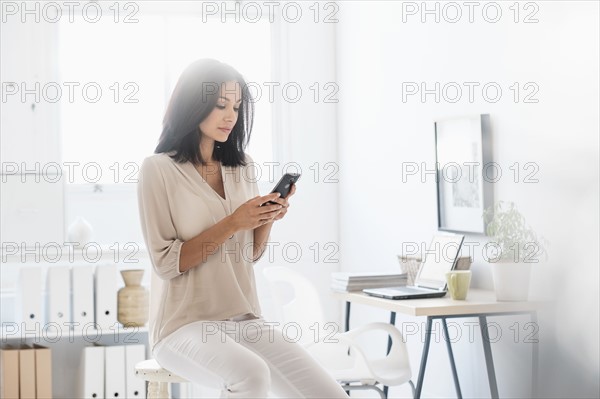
[(224, 130)]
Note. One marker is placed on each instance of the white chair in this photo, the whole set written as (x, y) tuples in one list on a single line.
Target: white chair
[(158, 378), (342, 355)]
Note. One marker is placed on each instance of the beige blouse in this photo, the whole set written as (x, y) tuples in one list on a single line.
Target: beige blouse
[(175, 205)]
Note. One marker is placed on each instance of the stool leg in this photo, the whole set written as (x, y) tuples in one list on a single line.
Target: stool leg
[(163, 390), (158, 390)]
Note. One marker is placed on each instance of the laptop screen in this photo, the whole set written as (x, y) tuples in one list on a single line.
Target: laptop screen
[(440, 258)]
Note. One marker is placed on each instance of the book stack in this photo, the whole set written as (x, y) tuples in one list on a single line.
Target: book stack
[(357, 281)]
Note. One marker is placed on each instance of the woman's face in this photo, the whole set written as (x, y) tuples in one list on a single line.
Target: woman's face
[(218, 124)]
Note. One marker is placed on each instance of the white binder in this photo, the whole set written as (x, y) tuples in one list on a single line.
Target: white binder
[(91, 381), (58, 287), (136, 387), (29, 300), (82, 300), (114, 371), (105, 291)]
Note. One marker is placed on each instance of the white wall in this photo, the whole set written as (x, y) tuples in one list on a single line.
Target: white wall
[(308, 136), (376, 52)]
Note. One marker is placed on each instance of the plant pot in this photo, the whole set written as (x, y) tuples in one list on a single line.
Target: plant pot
[(511, 280), (132, 300)]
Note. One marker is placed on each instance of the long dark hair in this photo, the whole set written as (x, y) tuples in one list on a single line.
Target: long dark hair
[(193, 99)]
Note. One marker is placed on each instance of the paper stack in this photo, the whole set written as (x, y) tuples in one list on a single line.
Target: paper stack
[(356, 281)]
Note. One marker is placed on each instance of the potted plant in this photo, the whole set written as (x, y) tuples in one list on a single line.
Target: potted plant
[(513, 248)]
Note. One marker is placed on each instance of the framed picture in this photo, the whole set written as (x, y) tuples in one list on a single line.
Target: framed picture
[(464, 173)]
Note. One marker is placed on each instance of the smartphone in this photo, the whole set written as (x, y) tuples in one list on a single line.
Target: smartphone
[(284, 185)]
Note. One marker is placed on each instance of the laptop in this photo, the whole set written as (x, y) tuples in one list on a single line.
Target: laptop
[(430, 282)]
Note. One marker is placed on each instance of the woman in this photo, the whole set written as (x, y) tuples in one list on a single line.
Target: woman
[(205, 226)]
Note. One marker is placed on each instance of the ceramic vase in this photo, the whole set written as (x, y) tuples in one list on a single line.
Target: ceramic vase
[(132, 301), (511, 280)]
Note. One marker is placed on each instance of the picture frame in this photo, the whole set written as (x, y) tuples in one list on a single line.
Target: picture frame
[(464, 172)]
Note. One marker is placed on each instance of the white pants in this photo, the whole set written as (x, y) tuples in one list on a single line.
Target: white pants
[(245, 359)]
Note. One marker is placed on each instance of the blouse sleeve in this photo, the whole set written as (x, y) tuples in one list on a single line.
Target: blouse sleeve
[(158, 230)]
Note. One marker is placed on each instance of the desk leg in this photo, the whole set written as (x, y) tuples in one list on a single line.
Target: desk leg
[(424, 357), (389, 347), (451, 356), (347, 321), (392, 322), (347, 327), (489, 361), (534, 357)]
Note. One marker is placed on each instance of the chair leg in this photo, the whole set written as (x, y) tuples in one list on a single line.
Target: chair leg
[(158, 390), (348, 387), (412, 386)]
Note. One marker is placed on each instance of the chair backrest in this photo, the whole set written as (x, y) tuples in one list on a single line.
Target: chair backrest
[(338, 353), (301, 306)]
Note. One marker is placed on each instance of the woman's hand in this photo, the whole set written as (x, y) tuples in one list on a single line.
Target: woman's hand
[(284, 202), (251, 214)]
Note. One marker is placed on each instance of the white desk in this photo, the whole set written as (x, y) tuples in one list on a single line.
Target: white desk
[(479, 303)]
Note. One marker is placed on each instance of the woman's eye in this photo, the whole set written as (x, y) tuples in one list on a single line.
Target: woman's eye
[(223, 107)]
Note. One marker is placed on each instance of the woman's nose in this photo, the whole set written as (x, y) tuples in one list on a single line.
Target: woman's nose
[(230, 115)]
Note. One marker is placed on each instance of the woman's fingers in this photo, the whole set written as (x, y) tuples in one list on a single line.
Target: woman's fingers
[(292, 191), (271, 207), (267, 209), (269, 215), (269, 197)]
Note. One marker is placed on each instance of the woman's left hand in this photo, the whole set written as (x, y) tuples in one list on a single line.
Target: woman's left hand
[(284, 202)]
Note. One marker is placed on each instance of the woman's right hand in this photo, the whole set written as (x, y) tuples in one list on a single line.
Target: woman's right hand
[(251, 214)]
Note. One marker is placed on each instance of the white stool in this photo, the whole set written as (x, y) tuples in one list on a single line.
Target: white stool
[(157, 377)]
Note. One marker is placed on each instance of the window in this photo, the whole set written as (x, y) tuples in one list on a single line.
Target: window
[(123, 75), (135, 67)]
